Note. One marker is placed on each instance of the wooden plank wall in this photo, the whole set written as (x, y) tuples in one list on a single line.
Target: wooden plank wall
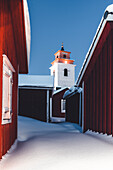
[(33, 103), (1, 72), (56, 104), (72, 108), (10, 46), (9, 131), (99, 87)]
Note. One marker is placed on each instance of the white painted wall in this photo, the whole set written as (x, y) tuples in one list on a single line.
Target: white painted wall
[(60, 79)]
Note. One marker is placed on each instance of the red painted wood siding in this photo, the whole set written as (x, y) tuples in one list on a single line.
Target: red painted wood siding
[(33, 103), (72, 108), (56, 104), (12, 28), (1, 71), (98, 81), (9, 131), (13, 44)]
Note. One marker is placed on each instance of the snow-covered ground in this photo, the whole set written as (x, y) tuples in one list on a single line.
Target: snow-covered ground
[(58, 146)]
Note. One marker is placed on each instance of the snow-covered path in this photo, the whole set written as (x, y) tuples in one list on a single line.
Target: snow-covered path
[(62, 146)]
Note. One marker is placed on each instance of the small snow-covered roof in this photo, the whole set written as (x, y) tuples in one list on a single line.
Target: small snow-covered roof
[(35, 80), (110, 11), (108, 16), (58, 91), (73, 90)]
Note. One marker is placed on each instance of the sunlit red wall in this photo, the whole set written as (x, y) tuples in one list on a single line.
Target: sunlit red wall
[(12, 43)]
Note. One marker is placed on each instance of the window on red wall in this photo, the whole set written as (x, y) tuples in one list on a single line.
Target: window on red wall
[(63, 103), (7, 90)]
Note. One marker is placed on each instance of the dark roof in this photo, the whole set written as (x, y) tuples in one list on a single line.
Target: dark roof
[(35, 87), (108, 16)]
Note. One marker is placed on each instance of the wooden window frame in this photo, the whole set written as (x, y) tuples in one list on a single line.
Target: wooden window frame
[(63, 106), (7, 90)]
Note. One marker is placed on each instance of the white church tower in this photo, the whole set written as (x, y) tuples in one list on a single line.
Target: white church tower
[(63, 69)]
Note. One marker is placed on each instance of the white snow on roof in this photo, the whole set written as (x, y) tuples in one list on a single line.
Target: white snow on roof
[(27, 29), (36, 80), (58, 91), (109, 8), (73, 90), (95, 41)]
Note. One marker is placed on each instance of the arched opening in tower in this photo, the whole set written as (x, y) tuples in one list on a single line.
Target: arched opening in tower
[(65, 72)]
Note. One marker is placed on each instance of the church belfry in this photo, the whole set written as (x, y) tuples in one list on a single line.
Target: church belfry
[(63, 69)]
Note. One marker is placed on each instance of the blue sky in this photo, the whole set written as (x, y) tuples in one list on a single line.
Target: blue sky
[(73, 22)]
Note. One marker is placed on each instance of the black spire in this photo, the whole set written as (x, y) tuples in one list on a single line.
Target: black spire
[(62, 47)]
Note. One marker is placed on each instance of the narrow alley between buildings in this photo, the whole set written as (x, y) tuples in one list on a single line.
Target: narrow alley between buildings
[(57, 146)]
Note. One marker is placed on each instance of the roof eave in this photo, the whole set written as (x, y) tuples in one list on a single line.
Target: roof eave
[(27, 31), (94, 42)]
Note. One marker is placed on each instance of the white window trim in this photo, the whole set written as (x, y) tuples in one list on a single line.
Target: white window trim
[(7, 71), (63, 102)]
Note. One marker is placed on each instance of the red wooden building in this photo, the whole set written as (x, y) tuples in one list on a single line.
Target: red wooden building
[(58, 105), (96, 79), (35, 92), (73, 104), (14, 58)]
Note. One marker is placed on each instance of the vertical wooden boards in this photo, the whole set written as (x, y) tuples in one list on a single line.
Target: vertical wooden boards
[(96, 99), (89, 113), (12, 44), (104, 86), (93, 99), (91, 102), (56, 105), (100, 94), (84, 110), (98, 75), (83, 119), (87, 105), (99, 91), (9, 131), (1, 72), (109, 57), (97, 102), (112, 83)]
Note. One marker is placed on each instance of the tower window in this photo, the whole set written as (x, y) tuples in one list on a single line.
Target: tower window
[(64, 56), (65, 72), (57, 56)]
